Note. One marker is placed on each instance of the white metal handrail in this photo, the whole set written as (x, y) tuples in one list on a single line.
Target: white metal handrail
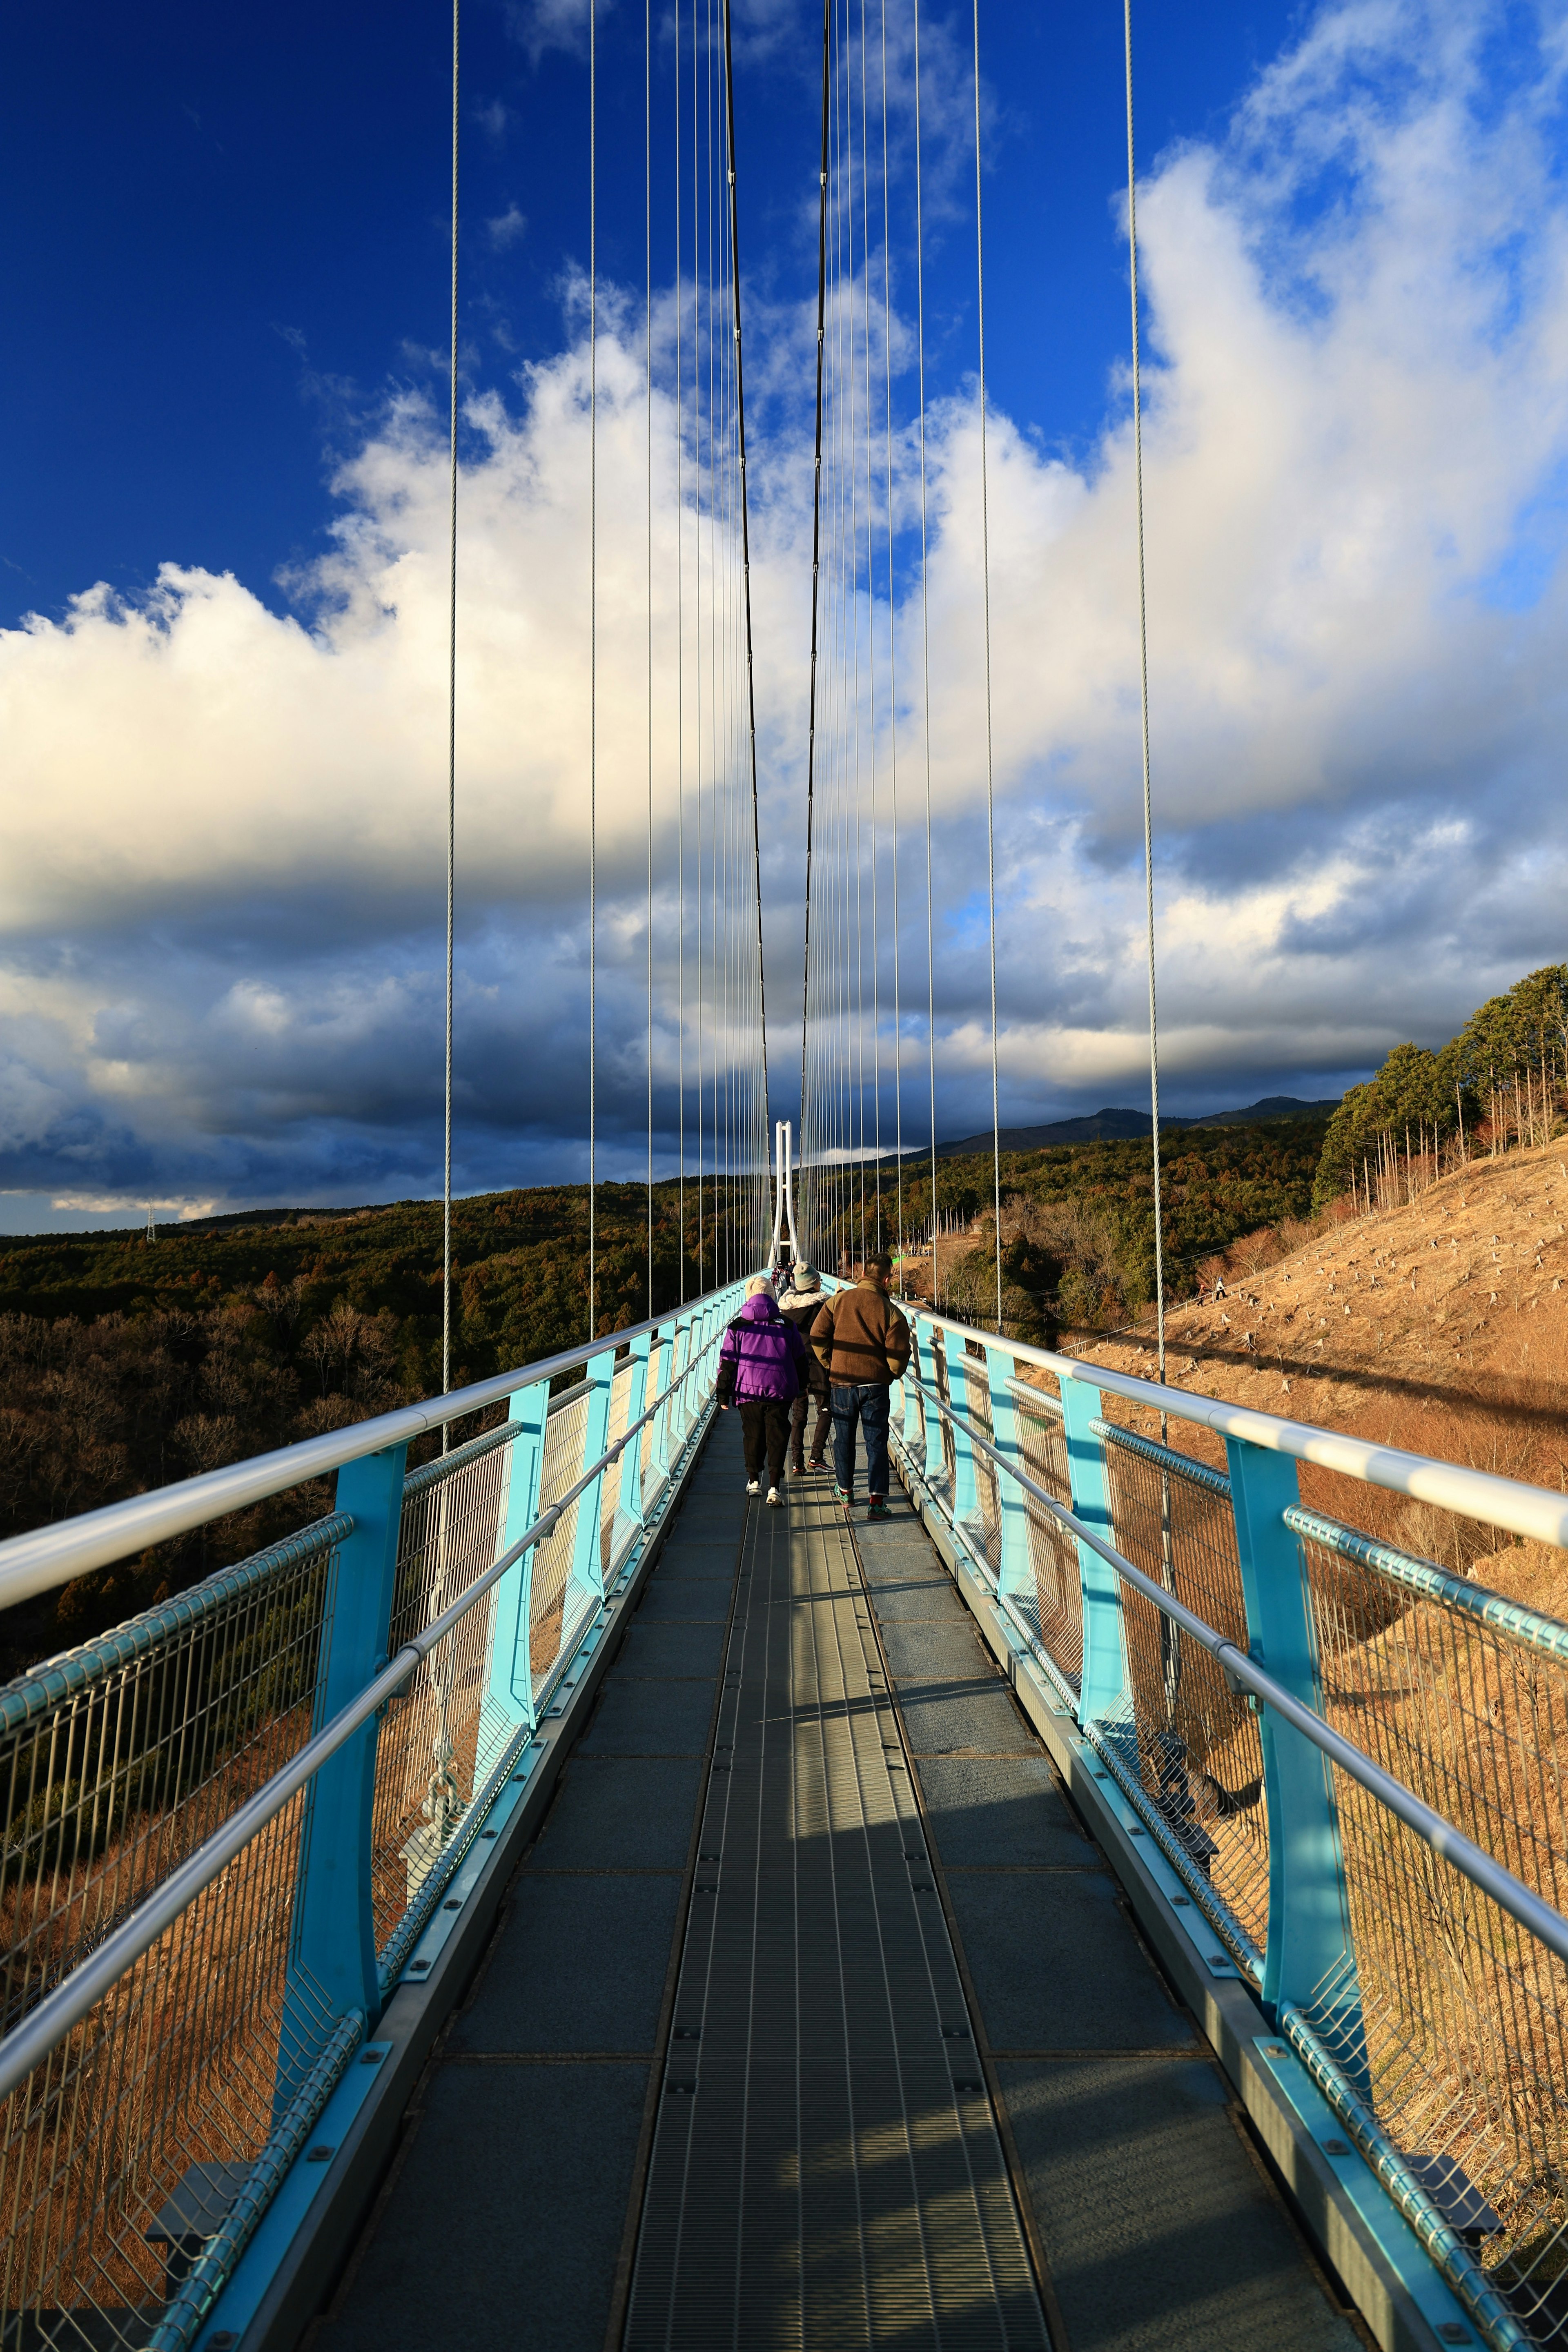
[(45, 1557), (30, 2042), (1510, 1503), (1548, 1925)]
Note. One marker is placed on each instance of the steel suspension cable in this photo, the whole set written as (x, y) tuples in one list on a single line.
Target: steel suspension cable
[(680, 671), (815, 542), (1143, 701), (871, 630), (593, 657), (697, 519), (986, 590), (925, 649), (452, 766), (648, 365), (892, 642)]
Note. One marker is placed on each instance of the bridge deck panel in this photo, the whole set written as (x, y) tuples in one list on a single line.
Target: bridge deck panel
[(1158, 2229), (837, 2177)]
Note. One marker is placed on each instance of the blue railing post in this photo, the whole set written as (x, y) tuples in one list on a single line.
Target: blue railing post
[(512, 1664), (1309, 1963), (628, 1492), (587, 1551), (1104, 1682), (924, 1351), (1018, 1564), (332, 1957), (965, 1488)]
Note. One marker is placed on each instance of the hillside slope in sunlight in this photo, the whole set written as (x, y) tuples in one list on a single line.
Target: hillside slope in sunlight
[(1441, 1327)]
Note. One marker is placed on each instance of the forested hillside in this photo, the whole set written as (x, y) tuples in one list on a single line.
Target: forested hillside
[(1078, 1221), (1501, 1082), (125, 1363)]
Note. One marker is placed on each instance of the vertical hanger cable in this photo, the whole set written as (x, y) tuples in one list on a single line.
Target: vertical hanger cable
[(451, 770), (985, 593), (593, 654), (925, 650), (1143, 705)]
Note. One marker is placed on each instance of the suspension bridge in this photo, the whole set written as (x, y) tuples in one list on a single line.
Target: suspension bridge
[(555, 1896)]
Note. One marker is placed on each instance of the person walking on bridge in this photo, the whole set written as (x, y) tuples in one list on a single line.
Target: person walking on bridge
[(761, 1368), (801, 1305), (862, 1343)]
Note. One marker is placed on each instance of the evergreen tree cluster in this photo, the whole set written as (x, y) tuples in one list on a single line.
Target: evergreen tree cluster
[(1501, 1075)]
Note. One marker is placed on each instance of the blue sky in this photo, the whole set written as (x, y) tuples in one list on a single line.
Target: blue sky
[(226, 351), (237, 238)]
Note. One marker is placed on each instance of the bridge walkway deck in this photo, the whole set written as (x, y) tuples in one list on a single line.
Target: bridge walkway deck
[(813, 2017)]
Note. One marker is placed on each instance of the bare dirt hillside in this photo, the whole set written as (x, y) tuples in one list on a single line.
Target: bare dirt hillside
[(1441, 1326)]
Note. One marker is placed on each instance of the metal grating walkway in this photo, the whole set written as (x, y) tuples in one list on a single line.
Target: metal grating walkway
[(825, 2166)]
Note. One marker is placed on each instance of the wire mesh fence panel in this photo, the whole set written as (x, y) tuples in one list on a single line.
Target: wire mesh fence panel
[(118, 1760), (978, 1386), (940, 1342), (657, 1381), (548, 1629), (1464, 2013), (620, 1402), (1200, 1757), (435, 1748), (1058, 1592)]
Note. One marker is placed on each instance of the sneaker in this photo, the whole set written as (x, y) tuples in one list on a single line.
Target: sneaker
[(817, 1466), (879, 1510), (774, 1497), (847, 1501), (797, 1469), (753, 1486)]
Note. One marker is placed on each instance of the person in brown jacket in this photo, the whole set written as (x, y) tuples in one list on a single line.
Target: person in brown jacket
[(862, 1343)]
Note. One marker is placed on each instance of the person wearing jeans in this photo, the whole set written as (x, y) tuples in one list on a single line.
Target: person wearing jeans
[(864, 1405), (862, 1342)]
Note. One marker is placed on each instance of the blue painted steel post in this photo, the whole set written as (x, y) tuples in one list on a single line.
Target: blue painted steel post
[(628, 1492), (511, 1668), (965, 1490), (1018, 1572), (587, 1553), (332, 1957), (1104, 1682), (1310, 1962)]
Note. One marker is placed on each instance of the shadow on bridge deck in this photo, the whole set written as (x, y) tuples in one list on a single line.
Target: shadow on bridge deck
[(813, 2018)]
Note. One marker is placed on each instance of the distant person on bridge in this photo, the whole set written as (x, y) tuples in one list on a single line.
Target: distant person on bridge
[(761, 1368), (802, 1307), (862, 1342)]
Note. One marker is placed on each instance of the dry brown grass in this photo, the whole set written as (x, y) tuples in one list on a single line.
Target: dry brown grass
[(1440, 1328)]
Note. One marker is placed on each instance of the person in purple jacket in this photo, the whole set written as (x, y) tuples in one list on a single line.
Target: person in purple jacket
[(761, 1368)]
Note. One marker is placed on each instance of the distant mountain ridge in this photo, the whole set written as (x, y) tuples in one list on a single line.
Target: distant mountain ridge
[(1125, 1126)]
